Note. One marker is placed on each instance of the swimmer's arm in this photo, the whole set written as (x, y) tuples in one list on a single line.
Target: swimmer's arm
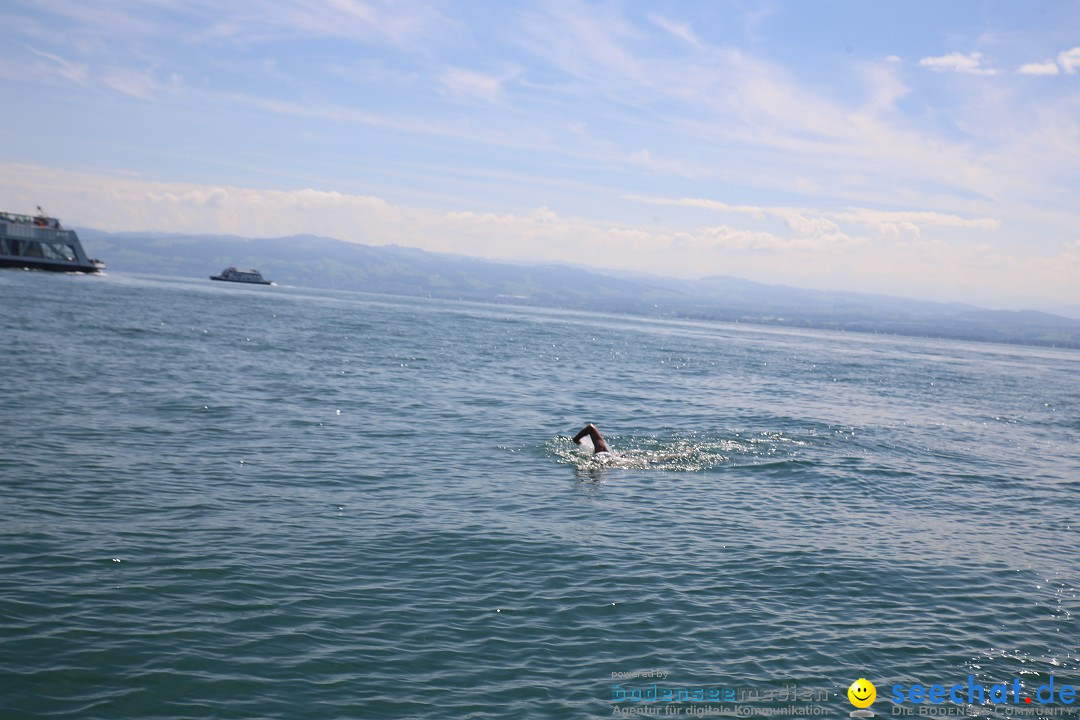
[(587, 430), (597, 439)]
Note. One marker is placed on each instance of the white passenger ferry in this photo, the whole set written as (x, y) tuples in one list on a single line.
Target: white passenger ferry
[(231, 274), (39, 242)]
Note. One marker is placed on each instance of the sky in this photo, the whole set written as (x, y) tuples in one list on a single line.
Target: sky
[(922, 148)]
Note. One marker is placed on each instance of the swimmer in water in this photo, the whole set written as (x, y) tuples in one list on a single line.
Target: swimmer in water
[(598, 444)]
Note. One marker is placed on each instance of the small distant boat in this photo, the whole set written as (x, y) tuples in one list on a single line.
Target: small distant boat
[(39, 242), (231, 274)]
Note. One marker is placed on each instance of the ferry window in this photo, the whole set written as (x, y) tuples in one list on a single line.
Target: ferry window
[(57, 251), (4, 249)]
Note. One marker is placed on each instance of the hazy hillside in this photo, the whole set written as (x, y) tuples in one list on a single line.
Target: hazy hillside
[(320, 262)]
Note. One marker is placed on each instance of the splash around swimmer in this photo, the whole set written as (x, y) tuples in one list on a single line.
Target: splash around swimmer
[(680, 452)]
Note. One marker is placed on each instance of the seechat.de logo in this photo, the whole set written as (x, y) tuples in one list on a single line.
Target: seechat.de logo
[(862, 694)]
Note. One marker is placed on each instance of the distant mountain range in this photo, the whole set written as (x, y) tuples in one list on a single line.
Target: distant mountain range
[(320, 262)]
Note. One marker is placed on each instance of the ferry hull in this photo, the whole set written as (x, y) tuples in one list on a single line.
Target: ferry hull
[(50, 265)]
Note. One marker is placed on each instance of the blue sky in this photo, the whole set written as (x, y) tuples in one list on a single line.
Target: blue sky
[(924, 149)]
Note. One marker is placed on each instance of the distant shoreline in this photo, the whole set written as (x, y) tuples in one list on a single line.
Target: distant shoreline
[(326, 263)]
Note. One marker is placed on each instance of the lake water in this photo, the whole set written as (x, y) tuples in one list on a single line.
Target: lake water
[(223, 501)]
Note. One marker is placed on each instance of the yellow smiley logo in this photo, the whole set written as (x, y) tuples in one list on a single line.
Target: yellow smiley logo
[(862, 693)]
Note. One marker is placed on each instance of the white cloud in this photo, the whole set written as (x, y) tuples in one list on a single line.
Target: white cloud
[(471, 84), (746, 120), (704, 203), (74, 71), (140, 84), (411, 26), (588, 42), (884, 88), (810, 221), (915, 217), (90, 18), (739, 110), (958, 62), (682, 31), (1070, 60), (905, 226), (1044, 68)]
